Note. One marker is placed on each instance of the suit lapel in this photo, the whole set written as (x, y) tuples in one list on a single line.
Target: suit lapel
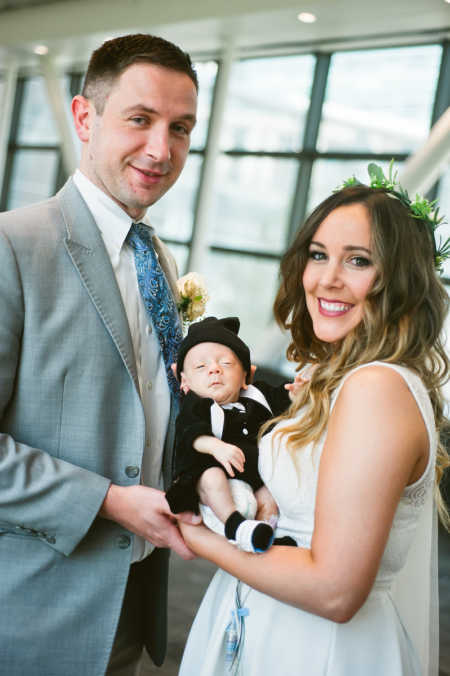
[(87, 251)]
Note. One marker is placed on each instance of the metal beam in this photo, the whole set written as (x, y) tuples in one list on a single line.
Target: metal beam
[(199, 243), (57, 99), (6, 113), (424, 168)]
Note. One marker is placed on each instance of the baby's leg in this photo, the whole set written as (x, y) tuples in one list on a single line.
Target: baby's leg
[(214, 491)]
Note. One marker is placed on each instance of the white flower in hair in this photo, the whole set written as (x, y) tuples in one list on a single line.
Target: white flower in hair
[(193, 295)]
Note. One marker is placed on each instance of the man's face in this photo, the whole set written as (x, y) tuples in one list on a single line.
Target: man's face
[(212, 370), (135, 150)]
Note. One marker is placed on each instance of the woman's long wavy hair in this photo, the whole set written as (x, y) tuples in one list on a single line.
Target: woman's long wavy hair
[(403, 316)]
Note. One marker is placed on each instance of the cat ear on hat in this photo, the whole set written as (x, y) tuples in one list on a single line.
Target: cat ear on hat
[(231, 323)]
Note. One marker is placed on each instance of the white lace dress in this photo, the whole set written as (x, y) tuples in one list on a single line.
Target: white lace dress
[(281, 640)]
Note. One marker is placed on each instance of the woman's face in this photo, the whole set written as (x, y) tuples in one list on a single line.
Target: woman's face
[(339, 273)]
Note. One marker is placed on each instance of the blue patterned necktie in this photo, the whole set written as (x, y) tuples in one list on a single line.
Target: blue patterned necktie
[(158, 298)]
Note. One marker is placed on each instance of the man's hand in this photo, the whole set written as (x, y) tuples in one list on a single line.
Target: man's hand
[(145, 512)]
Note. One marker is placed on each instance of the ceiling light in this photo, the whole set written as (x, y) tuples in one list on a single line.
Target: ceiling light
[(41, 50), (307, 17)]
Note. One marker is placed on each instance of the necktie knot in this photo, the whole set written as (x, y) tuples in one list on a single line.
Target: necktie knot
[(139, 237)]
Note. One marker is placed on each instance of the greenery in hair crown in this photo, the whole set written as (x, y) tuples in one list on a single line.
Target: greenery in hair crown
[(419, 208)]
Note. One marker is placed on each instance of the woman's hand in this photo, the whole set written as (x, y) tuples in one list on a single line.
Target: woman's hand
[(196, 535)]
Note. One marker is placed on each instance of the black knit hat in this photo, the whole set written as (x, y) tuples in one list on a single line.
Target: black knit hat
[(213, 330)]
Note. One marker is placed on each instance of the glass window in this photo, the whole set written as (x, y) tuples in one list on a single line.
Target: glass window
[(252, 203), (267, 103), (242, 286), (329, 174), (379, 100), (172, 216), (206, 73), (33, 177), (444, 209), (36, 125)]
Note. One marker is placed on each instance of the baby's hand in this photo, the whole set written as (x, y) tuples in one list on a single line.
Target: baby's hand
[(299, 381), (229, 456)]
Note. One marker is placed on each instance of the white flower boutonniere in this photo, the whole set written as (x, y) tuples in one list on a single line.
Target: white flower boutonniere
[(193, 294)]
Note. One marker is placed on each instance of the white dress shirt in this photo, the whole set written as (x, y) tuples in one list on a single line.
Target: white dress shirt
[(114, 225)]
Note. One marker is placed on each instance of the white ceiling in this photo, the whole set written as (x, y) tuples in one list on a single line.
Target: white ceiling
[(72, 28)]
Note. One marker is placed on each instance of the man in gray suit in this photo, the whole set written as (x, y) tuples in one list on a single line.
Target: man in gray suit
[(85, 408)]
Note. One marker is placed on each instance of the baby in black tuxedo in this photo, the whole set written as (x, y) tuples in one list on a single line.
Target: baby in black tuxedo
[(216, 435)]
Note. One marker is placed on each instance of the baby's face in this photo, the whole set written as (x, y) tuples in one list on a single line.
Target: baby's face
[(213, 370)]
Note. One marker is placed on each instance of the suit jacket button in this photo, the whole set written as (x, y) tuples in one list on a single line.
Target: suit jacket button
[(123, 541), (132, 471)]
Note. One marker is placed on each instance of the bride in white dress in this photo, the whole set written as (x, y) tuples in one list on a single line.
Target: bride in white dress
[(352, 465)]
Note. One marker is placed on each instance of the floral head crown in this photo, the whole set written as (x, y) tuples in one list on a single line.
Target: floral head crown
[(419, 208)]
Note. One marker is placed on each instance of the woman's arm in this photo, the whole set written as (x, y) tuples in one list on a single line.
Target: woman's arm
[(376, 444)]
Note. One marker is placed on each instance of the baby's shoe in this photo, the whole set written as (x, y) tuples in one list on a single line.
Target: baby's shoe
[(254, 536)]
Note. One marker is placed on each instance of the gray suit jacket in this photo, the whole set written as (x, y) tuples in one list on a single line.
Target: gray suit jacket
[(71, 421)]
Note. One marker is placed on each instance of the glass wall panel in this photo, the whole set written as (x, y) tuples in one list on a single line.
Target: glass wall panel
[(380, 100), (172, 216), (206, 73), (252, 203), (36, 124), (329, 174), (267, 103), (33, 177), (444, 209), (239, 285)]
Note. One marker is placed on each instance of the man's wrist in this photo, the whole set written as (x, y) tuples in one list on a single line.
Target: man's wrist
[(109, 507)]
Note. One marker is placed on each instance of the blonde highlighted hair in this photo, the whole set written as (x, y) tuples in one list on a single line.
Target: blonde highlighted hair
[(402, 324)]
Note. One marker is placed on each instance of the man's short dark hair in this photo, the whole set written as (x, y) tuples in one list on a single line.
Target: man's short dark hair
[(110, 60)]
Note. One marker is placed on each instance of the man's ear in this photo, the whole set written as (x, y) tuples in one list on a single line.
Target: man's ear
[(83, 113)]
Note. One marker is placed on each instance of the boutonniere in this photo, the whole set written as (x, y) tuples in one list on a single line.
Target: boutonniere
[(193, 297)]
